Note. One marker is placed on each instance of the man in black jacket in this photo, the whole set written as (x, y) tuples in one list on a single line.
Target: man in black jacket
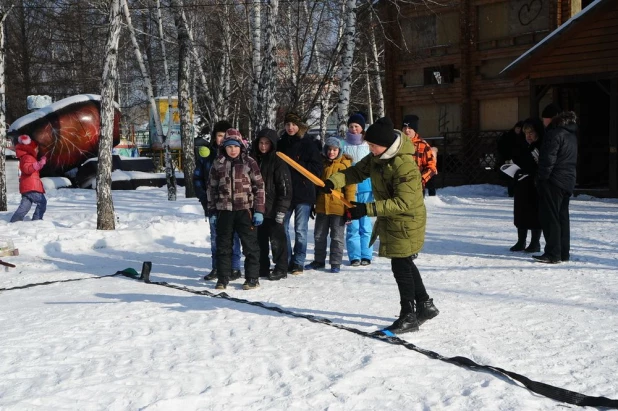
[(555, 183), (303, 150)]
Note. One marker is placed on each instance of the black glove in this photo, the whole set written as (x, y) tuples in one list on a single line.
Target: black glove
[(359, 210), (328, 187), (312, 212)]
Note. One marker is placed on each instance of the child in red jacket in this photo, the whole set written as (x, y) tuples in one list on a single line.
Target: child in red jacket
[(30, 185)]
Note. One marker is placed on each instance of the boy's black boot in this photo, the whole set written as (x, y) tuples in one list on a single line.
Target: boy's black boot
[(520, 245), (277, 275), (426, 311), (407, 321), (222, 283), (535, 242), (211, 275)]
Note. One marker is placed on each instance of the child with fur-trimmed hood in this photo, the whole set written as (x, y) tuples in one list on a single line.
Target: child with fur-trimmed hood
[(330, 211), (30, 185), (236, 201)]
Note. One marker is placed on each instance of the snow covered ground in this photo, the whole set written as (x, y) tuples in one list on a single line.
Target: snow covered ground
[(119, 344)]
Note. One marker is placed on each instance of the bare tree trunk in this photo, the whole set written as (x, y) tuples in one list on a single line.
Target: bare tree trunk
[(210, 107), (256, 62), (105, 205), (368, 81), (377, 79), (265, 115), (347, 59), (184, 74), (3, 197), (171, 187), (170, 175)]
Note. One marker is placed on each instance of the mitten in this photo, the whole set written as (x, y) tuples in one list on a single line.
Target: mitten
[(40, 164), (258, 219), (359, 210), (328, 187), (312, 212), (279, 217)]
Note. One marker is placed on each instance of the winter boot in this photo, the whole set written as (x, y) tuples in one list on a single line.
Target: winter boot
[(535, 242), (222, 283), (335, 268), (236, 274), (277, 275), (520, 245), (295, 269), (251, 284), (365, 261), (407, 321), (211, 275), (355, 263), (315, 265), (426, 311)]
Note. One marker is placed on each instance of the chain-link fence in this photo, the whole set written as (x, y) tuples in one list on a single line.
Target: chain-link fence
[(467, 157)]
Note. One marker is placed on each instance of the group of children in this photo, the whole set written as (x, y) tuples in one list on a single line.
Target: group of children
[(249, 195), (252, 193)]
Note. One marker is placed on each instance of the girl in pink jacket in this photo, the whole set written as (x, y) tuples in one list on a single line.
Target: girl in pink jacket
[(30, 185)]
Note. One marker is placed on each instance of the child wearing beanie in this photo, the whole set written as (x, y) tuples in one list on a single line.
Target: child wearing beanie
[(423, 154), (236, 204), (330, 211), (358, 232), (400, 211), (30, 184)]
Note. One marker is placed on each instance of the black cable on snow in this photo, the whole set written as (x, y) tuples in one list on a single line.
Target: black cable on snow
[(21, 287), (546, 390)]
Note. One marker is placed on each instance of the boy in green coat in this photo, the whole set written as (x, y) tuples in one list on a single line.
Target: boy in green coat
[(400, 211)]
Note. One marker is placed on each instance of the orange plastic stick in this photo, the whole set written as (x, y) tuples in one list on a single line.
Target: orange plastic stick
[(312, 177)]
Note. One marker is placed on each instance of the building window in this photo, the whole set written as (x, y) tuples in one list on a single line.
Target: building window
[(439, 75)]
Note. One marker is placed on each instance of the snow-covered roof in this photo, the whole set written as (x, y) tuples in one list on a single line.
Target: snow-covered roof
[(553, 35), (58, 105)]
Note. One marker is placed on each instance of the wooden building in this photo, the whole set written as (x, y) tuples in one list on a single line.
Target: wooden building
[(445, 61), (577, 67)]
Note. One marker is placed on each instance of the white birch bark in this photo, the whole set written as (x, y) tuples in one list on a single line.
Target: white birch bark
[(3, 196), (105, 206), (377, 79), (347, 59), (291, 50), (265, 108), (170, 175), (210, 109), (368, 82), (184, 74), (256, 61)]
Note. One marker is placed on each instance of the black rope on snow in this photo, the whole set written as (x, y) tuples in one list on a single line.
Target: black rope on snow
[(546, 390), (21, 287)]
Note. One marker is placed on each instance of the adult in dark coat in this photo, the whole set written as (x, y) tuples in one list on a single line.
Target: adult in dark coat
[(278, 187), (508, 145), (304, 151), (556, 183), (526, 201)]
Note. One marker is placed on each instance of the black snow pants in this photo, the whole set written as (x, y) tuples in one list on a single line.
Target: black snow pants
[(272, 235), (239, 221), (409, 281)]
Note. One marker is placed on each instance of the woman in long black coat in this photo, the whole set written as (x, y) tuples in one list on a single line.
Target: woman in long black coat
[(526, 201)]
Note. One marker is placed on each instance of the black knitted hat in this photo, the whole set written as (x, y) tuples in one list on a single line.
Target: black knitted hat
[(411, 120), (381, 133), (551, 110)]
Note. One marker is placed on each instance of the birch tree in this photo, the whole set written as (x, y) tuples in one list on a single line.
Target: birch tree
[(347, 58), (171, 187), (3, 198), (105, 205), (170, 175), (375, 61), (265, 103), (184, 75)]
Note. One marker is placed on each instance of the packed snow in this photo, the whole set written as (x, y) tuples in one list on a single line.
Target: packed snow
[(120, 344)]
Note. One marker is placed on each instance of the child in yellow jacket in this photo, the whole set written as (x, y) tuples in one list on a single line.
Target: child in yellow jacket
[(330, 211)]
